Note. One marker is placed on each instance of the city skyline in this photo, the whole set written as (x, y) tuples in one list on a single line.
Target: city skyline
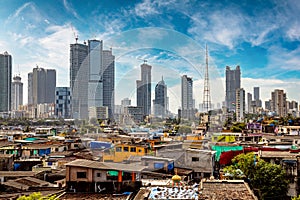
[(262, 37)]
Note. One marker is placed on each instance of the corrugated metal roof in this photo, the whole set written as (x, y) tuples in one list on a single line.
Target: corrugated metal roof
[(106, 165)]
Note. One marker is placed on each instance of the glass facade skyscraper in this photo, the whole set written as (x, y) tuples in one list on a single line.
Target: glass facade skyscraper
[(5, 82), (187, 101), (144, 89), (160, 101), (79, 80), (92, 76)]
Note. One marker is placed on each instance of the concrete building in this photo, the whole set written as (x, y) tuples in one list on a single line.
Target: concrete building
[(30, 88), (126, 102), (256, 93), (292, 107), (94, 176), (249, 103), (160, 102), (233, 82), (240, 104), (5, 82), (16, 93), (278, 102), (144, 89), (100, 112), (268, 105), (42, 82), (187, 101), (63, 102), (79, 80), (133, 114), (202, 162), (43, 110)]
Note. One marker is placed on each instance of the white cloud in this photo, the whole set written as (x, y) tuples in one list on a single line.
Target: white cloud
[(26, 15), (223, 27), (20, 10), (70, 9), (261, 37), (56, 47), (283, 59), (147, 7), (294, 31)]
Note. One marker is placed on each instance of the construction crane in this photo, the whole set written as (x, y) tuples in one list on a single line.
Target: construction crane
[(75, 36), (145, 61)]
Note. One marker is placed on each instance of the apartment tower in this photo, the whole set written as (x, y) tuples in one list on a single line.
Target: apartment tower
[(233, 82)]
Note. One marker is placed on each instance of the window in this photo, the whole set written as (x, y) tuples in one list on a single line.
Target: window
[(132, 149), (195, 159), (98, 174), (126, 149), (140, 150), (118, 149), (81, 174)]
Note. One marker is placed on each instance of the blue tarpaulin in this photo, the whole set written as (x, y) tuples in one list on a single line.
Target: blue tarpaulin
[(100, 145)]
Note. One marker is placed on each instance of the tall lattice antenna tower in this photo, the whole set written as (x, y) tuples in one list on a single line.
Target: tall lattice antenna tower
[(206, 92)]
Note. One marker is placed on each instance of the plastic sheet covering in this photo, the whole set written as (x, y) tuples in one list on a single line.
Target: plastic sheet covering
[(220, 149)]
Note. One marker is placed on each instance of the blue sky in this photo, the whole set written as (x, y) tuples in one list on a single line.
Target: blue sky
[(262, 36)]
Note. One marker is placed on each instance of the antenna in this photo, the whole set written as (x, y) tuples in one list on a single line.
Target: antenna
[(19, 69), (206, 92)]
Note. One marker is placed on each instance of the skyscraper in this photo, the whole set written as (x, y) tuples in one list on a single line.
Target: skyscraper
[(92, 76), (144, 89), (256, 93), (257, 101), (42, 82), (278, 102), (95, 84), (30, 88), (187, 102), (249, 101), (240, 104), (5, 82), (16, 93), (160, 101), (79, 80), (108, 79), (233, 82)]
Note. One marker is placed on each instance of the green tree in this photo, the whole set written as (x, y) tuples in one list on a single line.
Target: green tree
[(296, 198), (266, 179), (37, 196)]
